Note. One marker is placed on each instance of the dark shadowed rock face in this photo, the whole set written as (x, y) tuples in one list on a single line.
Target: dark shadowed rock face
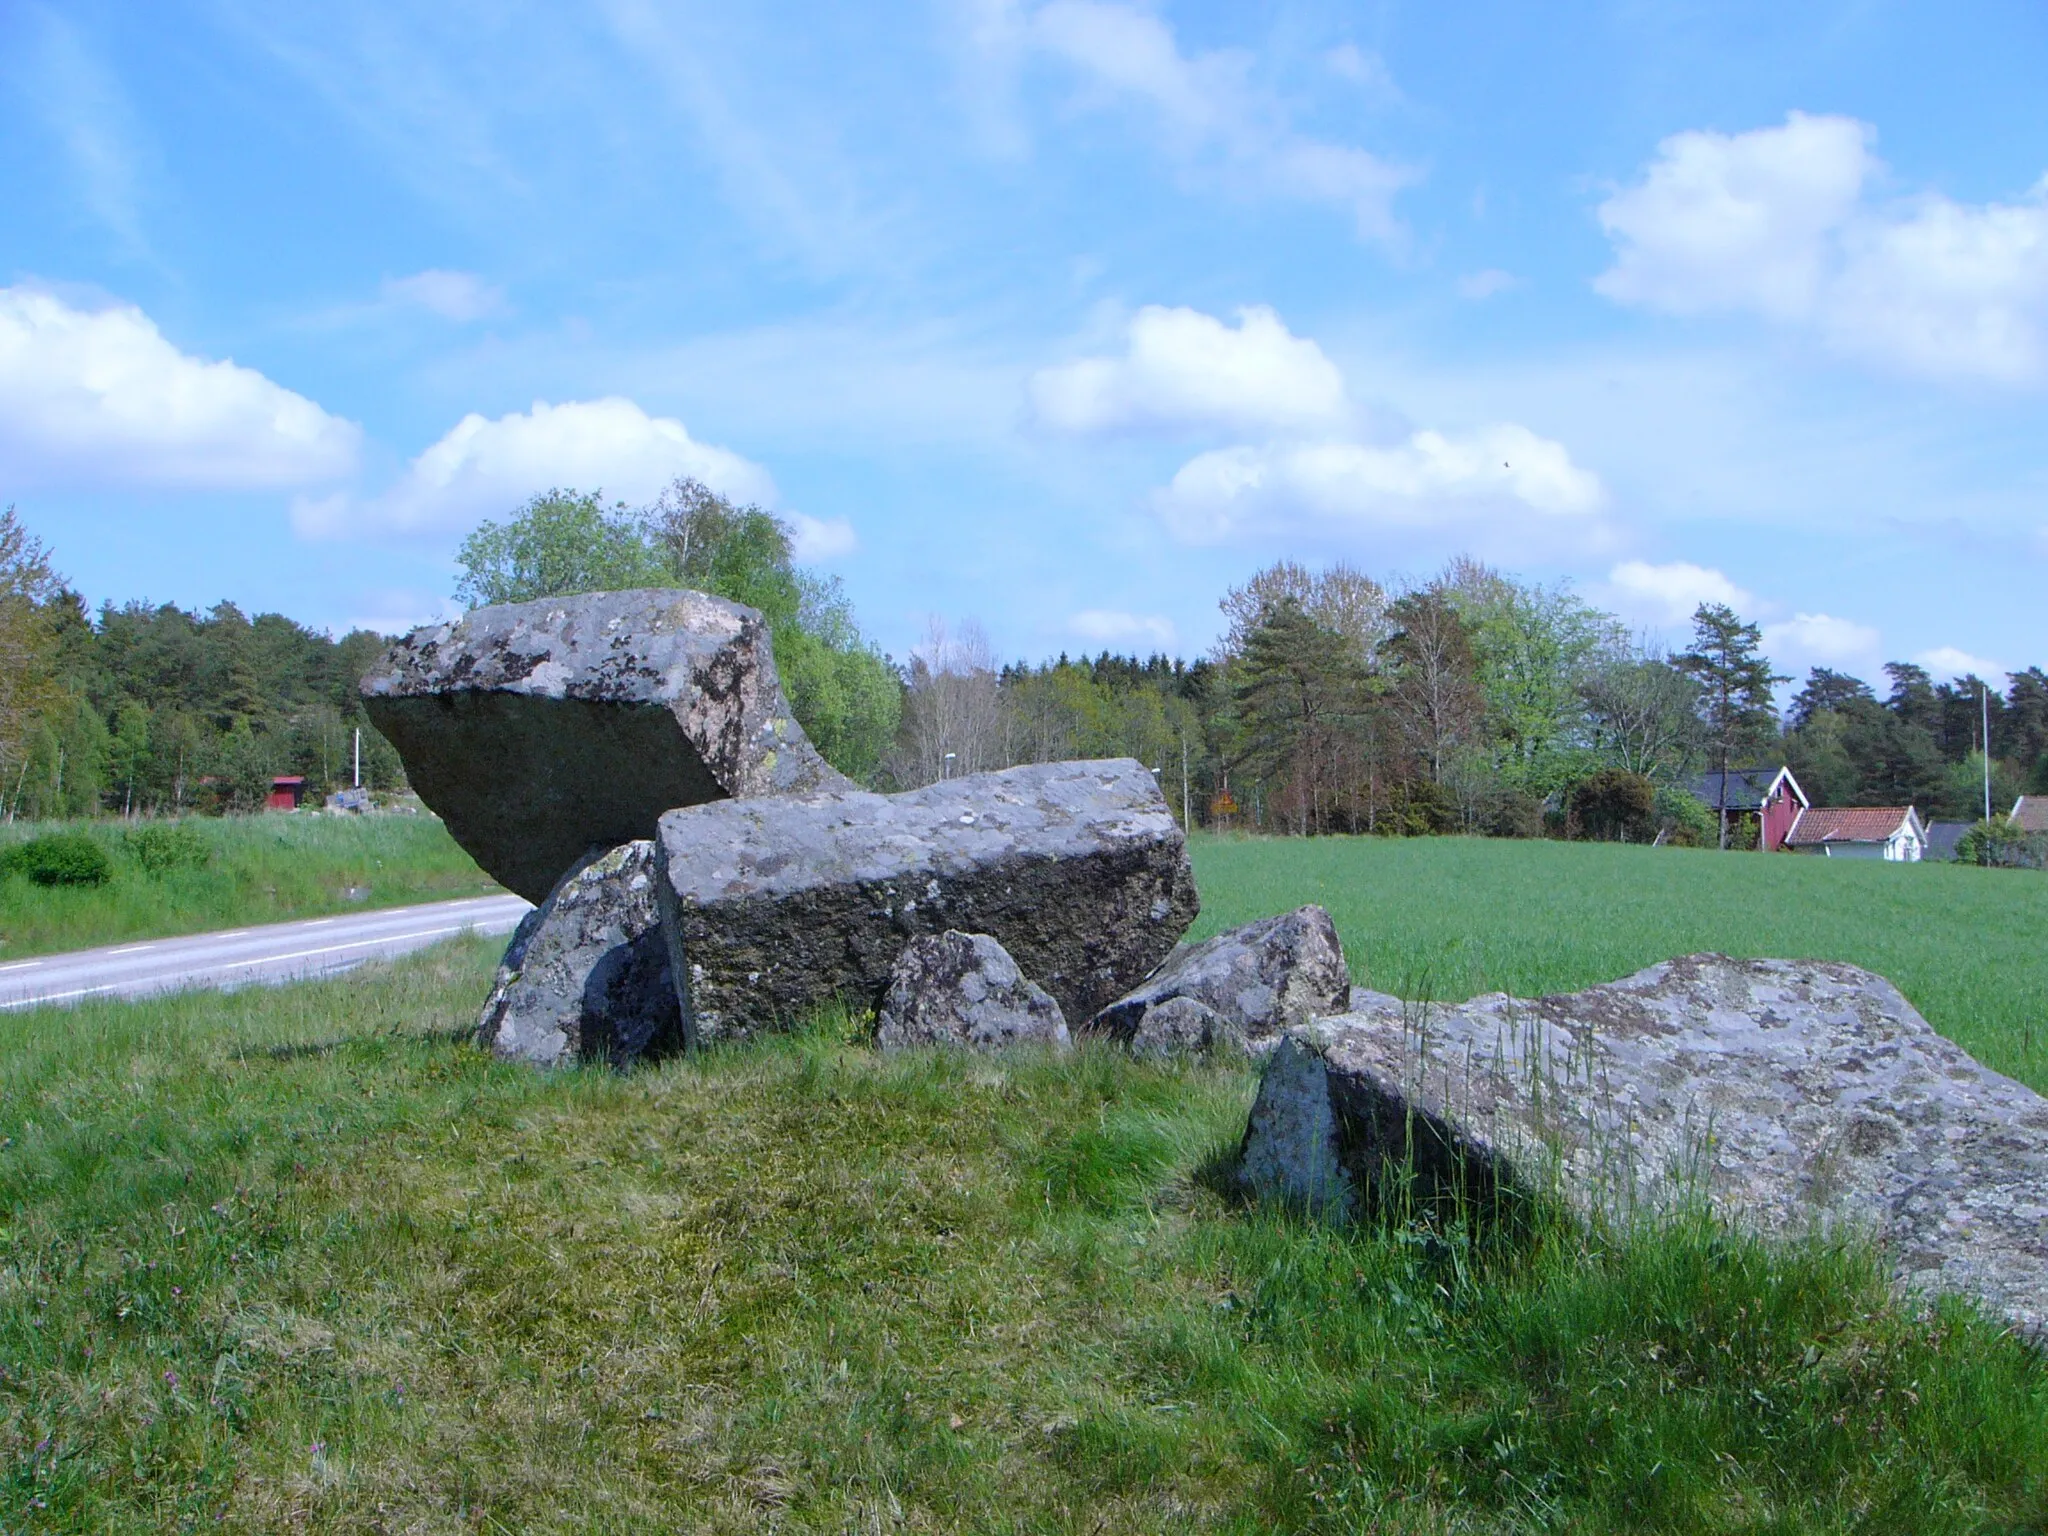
[(963, 989), (775, 906), (541, 731), (1793, 1097), (586, 975), (1260, 978)]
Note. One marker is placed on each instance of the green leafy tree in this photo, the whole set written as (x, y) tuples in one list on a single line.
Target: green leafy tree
[(559, 542), (1735, 681), (1614, 806), (1298, 692), (1825, 690)]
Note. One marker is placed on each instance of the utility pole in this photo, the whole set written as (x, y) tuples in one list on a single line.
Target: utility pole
[(1984, 702), (356, 781)]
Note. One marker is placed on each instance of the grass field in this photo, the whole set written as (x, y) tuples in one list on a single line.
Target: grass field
[(304, 1260), (259, 869), (1448, 918)]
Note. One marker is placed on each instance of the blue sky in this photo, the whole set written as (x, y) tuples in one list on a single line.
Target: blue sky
[(1057, 315)]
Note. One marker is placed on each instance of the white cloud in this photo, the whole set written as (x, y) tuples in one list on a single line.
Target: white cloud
[(1779, 221), (100, 397), (1182, 367), (1484, 285), (1670, 593), (486, 468), (460, 296), (1947, 661), (1430, 480), (1108, 626), (1206, 105), (816, 538), (1818, 639)]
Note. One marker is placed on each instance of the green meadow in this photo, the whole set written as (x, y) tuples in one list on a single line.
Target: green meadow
[(303, 1259), (242, 870)]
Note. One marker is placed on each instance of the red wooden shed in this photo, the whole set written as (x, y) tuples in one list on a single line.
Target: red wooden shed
[(286, 791)]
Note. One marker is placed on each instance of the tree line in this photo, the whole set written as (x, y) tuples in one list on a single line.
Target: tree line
[(1471, 702)]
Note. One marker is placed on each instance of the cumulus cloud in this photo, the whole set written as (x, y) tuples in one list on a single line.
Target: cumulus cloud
[(1432, 479), (1670, 593), (1948, 661), (459, 296), (1819, 639), (1181, 367), (100, 397), (1781, 222), (486, 468), (1207, 106), (816, 539), (1108, 626)]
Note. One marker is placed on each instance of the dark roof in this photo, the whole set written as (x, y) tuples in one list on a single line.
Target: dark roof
[(1943, 837), (2030, 813), (1746, 788), (1847, 824), (287, 780)]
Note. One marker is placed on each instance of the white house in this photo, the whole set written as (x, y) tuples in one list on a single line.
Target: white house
[(1893, 833)]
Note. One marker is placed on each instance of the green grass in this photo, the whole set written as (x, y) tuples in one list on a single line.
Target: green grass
[(261, 869), (305, 1260), (1447, 918)]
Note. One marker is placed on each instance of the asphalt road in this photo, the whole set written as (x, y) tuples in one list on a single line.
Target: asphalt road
[(271, 953)]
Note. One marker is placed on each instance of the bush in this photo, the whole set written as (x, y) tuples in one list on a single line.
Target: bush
[(1998, 844), (1614, 806), (1684, 821), (62, 858), (162, 847), (1515, 814)]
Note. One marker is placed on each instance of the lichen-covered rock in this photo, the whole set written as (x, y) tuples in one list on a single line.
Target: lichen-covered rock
[(1793, 1097), (963, 989), (1260, 977), (543, 731), (586, 975), (1184, 1026), (775, 906)]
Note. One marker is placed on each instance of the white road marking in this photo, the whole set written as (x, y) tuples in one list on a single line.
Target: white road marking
[(132, 949), (19, 964)]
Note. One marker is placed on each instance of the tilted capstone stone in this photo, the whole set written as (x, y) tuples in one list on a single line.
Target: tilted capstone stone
[(775, 906), (964, 989), (1258, 978), (1791, 1097), (586, 977), (541, 732)]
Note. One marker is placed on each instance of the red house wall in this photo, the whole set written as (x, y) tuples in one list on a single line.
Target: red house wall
[(1775, 825)]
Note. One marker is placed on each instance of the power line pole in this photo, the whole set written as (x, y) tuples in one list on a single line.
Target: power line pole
[(1984, 700)]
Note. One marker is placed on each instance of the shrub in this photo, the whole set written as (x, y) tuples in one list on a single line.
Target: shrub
[(1515, 814), (1998, 844), (1614, 806), (165, 846), (1684, 820), (62, 858)]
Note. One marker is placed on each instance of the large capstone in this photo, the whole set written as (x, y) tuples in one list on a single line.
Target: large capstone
[(541, 732), (775, 906), (964, 989), (1791, 1097), (586, 975), (1259, 979)]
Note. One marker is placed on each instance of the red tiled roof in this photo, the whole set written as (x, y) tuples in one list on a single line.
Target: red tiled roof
[(1856, 824), (2031, 813)]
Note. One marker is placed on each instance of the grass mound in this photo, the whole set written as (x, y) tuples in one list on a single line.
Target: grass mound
[(164, 878), (305, 1259)]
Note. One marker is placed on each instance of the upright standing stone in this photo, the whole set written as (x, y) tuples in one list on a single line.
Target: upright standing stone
[(1792, 1097), (586, 975), (541, 732), (774, 906)]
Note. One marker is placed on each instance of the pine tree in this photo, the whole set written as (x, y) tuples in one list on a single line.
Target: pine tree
[(1736, 681)]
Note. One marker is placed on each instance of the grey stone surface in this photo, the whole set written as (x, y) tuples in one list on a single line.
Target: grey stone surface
[(1794, 1097), (543, 731), (1261, 977), (774, 906), (963, 989), (586, 975), (1184, 1026)]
